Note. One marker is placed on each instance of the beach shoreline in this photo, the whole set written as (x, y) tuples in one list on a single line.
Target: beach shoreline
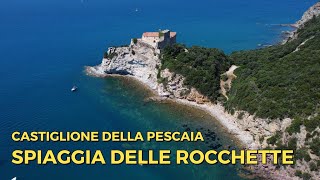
[(244, 138)]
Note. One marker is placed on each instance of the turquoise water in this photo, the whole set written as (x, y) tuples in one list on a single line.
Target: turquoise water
[(45, 44)]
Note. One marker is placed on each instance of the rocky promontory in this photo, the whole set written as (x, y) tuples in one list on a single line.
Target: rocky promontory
[(313, 11), (142, 62)]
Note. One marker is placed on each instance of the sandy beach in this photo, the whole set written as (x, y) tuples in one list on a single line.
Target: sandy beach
[(215, 110)]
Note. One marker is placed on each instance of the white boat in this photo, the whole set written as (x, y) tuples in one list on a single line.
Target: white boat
[(74, 88)]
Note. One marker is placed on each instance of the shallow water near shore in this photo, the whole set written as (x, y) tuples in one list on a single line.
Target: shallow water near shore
[(45, 45), (122, 106)]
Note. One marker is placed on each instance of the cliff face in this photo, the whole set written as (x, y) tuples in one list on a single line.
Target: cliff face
[(309, 14), (313, 11), (141, 61), (136, 60)]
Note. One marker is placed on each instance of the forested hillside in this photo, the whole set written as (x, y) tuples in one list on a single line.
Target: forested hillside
[(275, 82), (200, 66), (284, 81), (280, 81)]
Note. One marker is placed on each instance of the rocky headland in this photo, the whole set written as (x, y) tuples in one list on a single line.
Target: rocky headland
[(313, 11), (142, 62)]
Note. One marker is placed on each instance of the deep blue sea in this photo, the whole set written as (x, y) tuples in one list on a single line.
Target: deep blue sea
[(44, 46)]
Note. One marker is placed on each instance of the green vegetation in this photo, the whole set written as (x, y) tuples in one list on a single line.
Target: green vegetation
[(313, 166), (295, 126), (315, 146), (308, 136), (312, 124), (161, 34), (135, 40), (298, 173), (200, 66), (163, 80), (105, 55), (303, 175), (232, 112), (302, 154), (292, 144), (272, 140), (306, 176), (110, 55), (240, 115), (276, 82)]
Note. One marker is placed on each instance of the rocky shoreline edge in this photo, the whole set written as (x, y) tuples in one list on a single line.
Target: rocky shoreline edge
[(242, 137), (216, 111), (308, 15)]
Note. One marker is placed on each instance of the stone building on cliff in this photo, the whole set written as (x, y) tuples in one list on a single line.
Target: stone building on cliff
[(159, 40)]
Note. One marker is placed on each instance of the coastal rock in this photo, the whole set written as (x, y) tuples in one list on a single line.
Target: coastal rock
[(136, 60), (273, 127), (308, 15)]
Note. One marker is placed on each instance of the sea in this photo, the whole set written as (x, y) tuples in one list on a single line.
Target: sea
[(44, 46)]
